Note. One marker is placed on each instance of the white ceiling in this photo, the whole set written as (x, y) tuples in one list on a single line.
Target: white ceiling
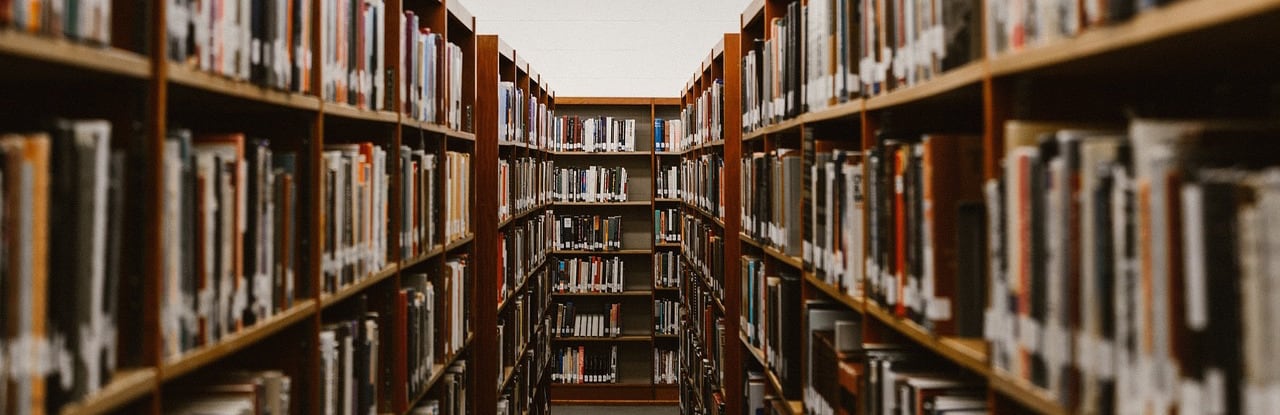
[(628, 48)]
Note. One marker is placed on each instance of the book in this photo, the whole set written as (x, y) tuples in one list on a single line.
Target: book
[(592, 134), (590, 184), (704, 118), (234, 391), (265, 43), (356, 193), (431, 80), (588, 232), (593, 274)]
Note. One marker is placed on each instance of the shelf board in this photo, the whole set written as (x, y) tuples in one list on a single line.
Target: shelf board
[(668, 153), (969, 74), (208, 354), (667, 245), (436, 250), (504, 143), (835, 293), (667, 200), (793, 261), (620, 339), (636, 293), (749, 240), (968, 353), (458, 243), (104, 60), (600, 153), (666, 336), (209, 82), (524, 282), (503, 223), (358, 286), (796, 407), (125, 386), (437, 371), (435, 128), (1159, 23), (506, 378), (677, 289), (603, 204), (618, 252), (1027, 394), (713, 217), (350, 112)]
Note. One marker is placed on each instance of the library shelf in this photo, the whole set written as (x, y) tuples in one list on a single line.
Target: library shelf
[(1161, 23), (125, 386), (349, 112), (666, 336), (520, 215), (77, 56), (855, 303), (505, 143), (848, 108), (208, 354), (1026, 394), (628, 293), (329, 300), (431, 253), (208, 82), (668, 153), (460, 242), (524, 282), (970, 353), (674, 245), (673, 289), (604, 204), (437, 371), (971, 74), (626, 338), (616, 252), (667, 200)]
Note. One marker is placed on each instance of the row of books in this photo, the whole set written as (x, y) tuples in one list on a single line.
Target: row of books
[(585, 364), (88, 21), (704, 118), (353, 53), (457, 196), (771, 71), (774, 305), (667, 267), (356, 194), (523, 183), (835, 245), (666, 367), (419, 187), (590, 184), (666, 317), (772, 182), (64, 207), (666, 181), (907, 43), (232, 218), (833, 336), (1013, 26), (431, 75), (593, 274), (704, 249), (423, 310), (924, 230), (268, 43), (514, 123), (522, 247), (452, 399), (1103, 240), (700, 182), (571, 323), (703, 345), (601, 134), (232, 392), (666, 225), (518, 323), (589, 232), (349, 365), (667, 134)]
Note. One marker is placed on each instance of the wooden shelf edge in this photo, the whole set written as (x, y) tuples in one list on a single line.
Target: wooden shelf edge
[(438, 371), (217, 84), (599, 153), (603, 253), (504, 222), (854, 303), (603, 204), (125, 386), (66, 52), (437, 250), (458, 243), (950, 349), (619, 339), (358, 286), (971, 73), (208, 354), (708, 214), (524, 282), (629, 293), (347, 111), (436, 128)]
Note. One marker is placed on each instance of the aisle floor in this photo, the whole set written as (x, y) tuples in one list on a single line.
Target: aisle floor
[(614, 410)]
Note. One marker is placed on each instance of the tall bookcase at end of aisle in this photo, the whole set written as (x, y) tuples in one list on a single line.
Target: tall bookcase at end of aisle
[(956, 232), (612, 302), (243, 220)]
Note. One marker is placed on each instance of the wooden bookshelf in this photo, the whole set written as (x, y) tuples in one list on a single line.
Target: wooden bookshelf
[(42, 52), (207, 355)]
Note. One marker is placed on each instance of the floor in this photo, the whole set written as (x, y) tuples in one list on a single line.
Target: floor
[(614, 410)]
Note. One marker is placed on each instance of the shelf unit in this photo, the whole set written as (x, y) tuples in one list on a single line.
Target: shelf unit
[(635, 350), (143, 93)]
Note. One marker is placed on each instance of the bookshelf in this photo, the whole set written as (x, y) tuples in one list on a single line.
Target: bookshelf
[(165, 94)]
